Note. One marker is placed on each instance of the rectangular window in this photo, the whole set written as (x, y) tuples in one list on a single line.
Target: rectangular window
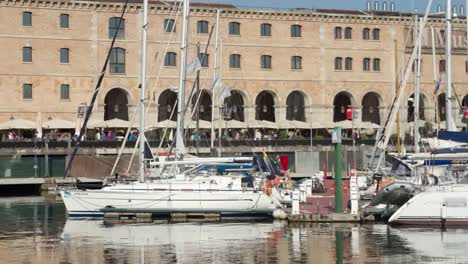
[(27, 19), (376, 64), (296, 62), (234, 28), (64, 92), (170, 59), (296, 31), (234, 61), (204, 59), (169, 25), (442, 66), (27, 54), (117, 61), (116, 27), (202, 27), (265, 30), (64, 55), (64, 21), (265, 62), (27, 91)]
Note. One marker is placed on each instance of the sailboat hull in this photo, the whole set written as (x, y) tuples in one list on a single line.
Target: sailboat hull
[(93, 203), (437, 208)]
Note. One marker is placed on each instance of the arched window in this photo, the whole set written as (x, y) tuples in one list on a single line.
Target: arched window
[(296, 31), (341, 102), (116, 27), (116, 104), (235, 61), (338, 33), (376, 64), (348, 33), (348, 64), (170, 59), (234, 28), (295, 107), (265, 30), (234, 107), (366, 34), (376, 34), (265, 62), (265, 107), (202, 105), (167, 106), (117, 61), (441, 107), (338, 63), (202, 26), (366, 64), (411, 109), (169, 25), (370, 108), (296, 62)]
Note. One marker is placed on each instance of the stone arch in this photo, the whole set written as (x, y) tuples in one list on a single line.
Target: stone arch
[(295, 106), (234, 106), (167, 101), (116, 104), (341, 102), (265, 106), (441, 107), (422, 104), (204, 105), (371, 103)]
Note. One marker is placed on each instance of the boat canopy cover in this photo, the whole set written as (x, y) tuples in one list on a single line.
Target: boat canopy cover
[(454, 136)]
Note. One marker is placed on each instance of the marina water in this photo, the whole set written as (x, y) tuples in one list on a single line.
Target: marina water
[(36, 230)]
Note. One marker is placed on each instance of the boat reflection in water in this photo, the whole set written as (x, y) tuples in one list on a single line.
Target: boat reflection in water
[(35, 230)]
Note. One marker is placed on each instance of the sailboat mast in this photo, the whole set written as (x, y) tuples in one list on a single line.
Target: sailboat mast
[(448, 54), (143, 91), (180, 147), (215, 74), (417, 97)]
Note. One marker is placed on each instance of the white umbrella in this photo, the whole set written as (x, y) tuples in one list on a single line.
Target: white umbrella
[(191, 124), (167, 124), (58, 124), (231, 124), (116, 123), (263, 124), (14, 123), (295, 124)]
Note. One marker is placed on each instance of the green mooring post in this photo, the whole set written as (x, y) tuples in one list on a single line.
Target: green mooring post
[(336, 139)]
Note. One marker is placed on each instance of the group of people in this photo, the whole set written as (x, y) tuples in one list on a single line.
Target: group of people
[(111, 135)]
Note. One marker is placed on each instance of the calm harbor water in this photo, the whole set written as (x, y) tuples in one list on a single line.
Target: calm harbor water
[(36, 230)]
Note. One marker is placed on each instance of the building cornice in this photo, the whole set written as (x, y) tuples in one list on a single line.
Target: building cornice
[(234, 13)]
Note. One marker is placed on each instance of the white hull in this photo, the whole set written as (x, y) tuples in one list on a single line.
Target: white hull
[(91, 202), (441, 208)]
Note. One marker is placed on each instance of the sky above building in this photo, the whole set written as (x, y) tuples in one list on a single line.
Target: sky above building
[(401, 5)]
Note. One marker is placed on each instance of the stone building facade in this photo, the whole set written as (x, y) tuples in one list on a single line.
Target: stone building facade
[(305, 65)]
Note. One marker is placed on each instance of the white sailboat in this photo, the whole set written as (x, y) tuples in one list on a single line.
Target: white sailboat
[(191, 185)]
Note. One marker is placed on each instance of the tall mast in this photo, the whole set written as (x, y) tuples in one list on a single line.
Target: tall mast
[(215, 74), (142, 91), (180, 147), (416, 97), (448, 54)]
